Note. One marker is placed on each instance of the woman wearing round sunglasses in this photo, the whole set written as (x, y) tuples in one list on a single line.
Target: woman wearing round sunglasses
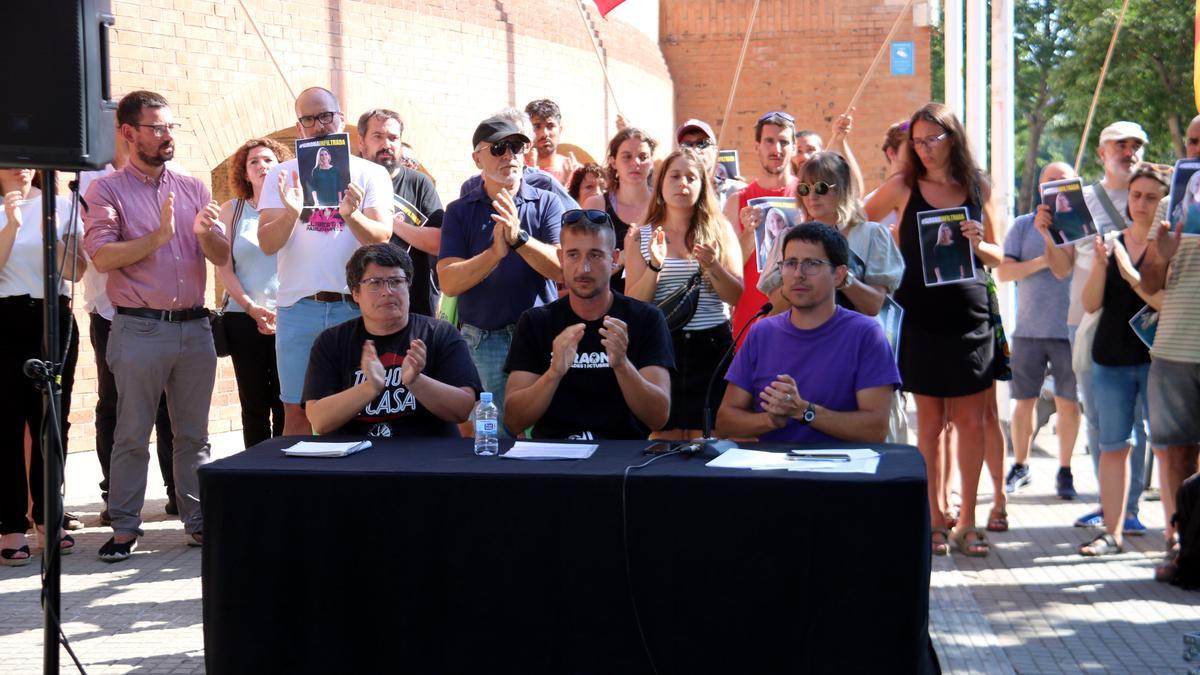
[(630, 165), (685, 233), (947, 338)]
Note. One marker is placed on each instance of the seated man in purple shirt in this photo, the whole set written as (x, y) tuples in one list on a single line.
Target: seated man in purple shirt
[(818, 372)]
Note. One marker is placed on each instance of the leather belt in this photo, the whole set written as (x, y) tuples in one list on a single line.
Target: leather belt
[(171, 315), (330, 296)]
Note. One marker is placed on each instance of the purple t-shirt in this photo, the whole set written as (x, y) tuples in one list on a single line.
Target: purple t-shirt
[(830, 364)]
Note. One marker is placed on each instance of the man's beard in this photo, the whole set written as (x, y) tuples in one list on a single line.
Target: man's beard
[(597, 289), (774, 171), (386, 160), (164, 154)]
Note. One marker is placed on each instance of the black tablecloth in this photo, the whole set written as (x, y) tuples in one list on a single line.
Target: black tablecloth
[(418, 556)]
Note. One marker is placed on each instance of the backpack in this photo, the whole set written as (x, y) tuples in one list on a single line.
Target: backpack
[(1187, 524)]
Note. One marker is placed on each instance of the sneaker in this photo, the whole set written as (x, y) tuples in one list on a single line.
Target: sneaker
[(1091, 519), (1018, 477), (171, 508), (1065, 483), (1133, 526), (112, 552)]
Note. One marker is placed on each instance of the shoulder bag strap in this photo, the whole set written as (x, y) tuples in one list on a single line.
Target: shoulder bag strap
[(234, 228), (1114, 216)]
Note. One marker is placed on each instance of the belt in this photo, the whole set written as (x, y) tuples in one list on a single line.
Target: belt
[(172, 315), (330, 296)]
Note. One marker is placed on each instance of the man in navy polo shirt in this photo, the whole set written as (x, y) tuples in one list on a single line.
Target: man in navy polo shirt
[(499, 251)]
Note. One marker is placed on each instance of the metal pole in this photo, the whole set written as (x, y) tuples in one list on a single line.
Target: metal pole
[(51, 447)]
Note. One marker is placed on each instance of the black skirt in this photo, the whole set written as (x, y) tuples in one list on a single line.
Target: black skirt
[(696, 355)]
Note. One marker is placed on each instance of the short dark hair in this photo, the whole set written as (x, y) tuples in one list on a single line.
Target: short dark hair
[(381, 113), (386, 254), (586, 226), (827, 236), (776, 119), (129, 110), (545, 109)]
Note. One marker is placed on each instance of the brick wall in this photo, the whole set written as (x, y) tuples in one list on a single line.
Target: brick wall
[(806, 57), (443, 64)]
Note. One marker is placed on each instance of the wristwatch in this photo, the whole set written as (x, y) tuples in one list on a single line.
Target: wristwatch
[(810, 414), (849, 280), (522, 237)]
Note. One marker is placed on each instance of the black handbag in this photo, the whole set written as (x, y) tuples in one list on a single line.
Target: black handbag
[(216, 317), (680, 306)]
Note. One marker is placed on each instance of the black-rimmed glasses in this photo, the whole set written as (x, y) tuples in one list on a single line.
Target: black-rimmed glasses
[(307, 121), (377, 284)]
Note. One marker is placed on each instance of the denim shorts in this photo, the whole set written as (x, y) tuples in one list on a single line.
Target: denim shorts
[(296, 328), (1174, 403), (1117, 392)]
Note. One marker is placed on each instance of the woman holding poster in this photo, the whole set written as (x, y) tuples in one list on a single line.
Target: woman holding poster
[(947, 338)]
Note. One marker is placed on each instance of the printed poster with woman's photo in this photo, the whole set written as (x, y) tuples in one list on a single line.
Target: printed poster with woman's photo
[(1072, 220), (779, 213), (1184, 203), (946, 255), (323, 164)]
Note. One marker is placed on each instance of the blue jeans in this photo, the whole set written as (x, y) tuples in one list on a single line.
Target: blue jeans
[(296, 328), (489, 351), (1137, 453)]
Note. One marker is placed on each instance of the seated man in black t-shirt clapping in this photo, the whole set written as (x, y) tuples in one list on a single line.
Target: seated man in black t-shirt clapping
[(388, 373), (592, 364)]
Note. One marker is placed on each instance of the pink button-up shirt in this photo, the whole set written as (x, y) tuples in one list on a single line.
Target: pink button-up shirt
[(125, 205)]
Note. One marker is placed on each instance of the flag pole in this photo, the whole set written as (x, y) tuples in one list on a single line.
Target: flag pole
[(871, 69), (737, 73), (1087, 126), (599, 57)]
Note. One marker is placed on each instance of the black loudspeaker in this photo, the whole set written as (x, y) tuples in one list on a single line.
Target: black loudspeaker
[(60, 115)]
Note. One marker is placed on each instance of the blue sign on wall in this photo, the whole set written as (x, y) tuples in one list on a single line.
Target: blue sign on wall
[(902, 58)]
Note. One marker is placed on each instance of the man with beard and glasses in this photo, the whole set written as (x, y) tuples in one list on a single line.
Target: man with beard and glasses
[(499, 249), (417, 219), (594, 363), (151, 230), (389, 372), (817, 372), (312, 292)]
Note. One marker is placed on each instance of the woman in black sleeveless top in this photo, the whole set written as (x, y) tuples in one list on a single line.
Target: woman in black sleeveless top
[(946, 340)]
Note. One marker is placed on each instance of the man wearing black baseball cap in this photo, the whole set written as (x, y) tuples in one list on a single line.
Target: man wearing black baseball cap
[(499, 251)]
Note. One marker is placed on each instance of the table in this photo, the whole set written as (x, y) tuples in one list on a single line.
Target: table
[(417, 556)]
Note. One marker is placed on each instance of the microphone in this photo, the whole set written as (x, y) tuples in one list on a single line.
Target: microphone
[(709, 445)]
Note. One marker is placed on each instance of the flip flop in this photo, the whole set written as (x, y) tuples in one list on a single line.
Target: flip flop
[(8, 556), (998, 520), (977, 547), (942, 547), (1101, 545)]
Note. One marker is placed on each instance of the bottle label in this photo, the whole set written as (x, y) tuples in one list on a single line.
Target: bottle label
[(486, 426)]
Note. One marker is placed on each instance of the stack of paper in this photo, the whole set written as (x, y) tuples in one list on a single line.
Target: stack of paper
[(528, 450), (855, 460), (325, 448)]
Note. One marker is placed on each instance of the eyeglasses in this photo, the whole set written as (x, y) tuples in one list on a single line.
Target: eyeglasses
[(508, 145), (777, 113), (808, 266), (307, 121), (592, 215), (159, 129), (928, 143), (701, 144), (820, 187), (377, 284)]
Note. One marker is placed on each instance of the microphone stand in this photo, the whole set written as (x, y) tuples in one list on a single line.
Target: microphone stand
[(707, 445)]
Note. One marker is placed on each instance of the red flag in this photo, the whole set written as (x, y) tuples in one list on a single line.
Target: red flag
[(606, 6)]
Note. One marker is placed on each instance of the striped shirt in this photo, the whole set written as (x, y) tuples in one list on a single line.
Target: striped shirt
[(710, 311), (1178, 336)]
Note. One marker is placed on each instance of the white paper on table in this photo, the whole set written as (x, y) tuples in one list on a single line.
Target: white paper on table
[(528, 450), (862, 460), (868, 466), (325, 448)]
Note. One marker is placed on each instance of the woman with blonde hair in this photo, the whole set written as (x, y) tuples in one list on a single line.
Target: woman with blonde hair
[(684, 236)]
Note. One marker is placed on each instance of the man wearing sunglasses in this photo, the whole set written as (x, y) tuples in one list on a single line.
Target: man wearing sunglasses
[(499, 251), (389, 372), (594, 363), (532, 176), (312, 293), (697, 135), (818, 372)]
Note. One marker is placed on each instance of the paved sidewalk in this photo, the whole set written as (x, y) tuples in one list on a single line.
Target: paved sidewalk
[(1032, 606)]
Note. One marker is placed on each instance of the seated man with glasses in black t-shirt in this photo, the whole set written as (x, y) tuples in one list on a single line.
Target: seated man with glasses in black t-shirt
[(594, 363), (388, 373)]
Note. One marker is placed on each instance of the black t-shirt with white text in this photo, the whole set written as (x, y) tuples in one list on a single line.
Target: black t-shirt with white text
[(588, 403), (334, 366)]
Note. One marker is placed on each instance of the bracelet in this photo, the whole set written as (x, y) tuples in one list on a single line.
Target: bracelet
[(650, 264)]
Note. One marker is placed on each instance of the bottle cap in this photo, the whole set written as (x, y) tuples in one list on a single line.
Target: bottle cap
[(485, 397)]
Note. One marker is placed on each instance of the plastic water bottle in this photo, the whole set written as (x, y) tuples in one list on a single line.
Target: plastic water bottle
[(487, 426)]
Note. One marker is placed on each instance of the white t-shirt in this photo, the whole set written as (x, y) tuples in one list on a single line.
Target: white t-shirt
[(24, 273), (313, 261), (1085, 250), (95, 293)]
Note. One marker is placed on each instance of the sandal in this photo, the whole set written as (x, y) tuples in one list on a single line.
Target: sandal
[(942, 547), (8, 556), (72, 522), (66, 545), (1166, 571), (976, 547), (1102, 545), (998, 520)]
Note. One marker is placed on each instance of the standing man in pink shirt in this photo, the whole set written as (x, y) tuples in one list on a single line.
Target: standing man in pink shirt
[(151, 230)]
